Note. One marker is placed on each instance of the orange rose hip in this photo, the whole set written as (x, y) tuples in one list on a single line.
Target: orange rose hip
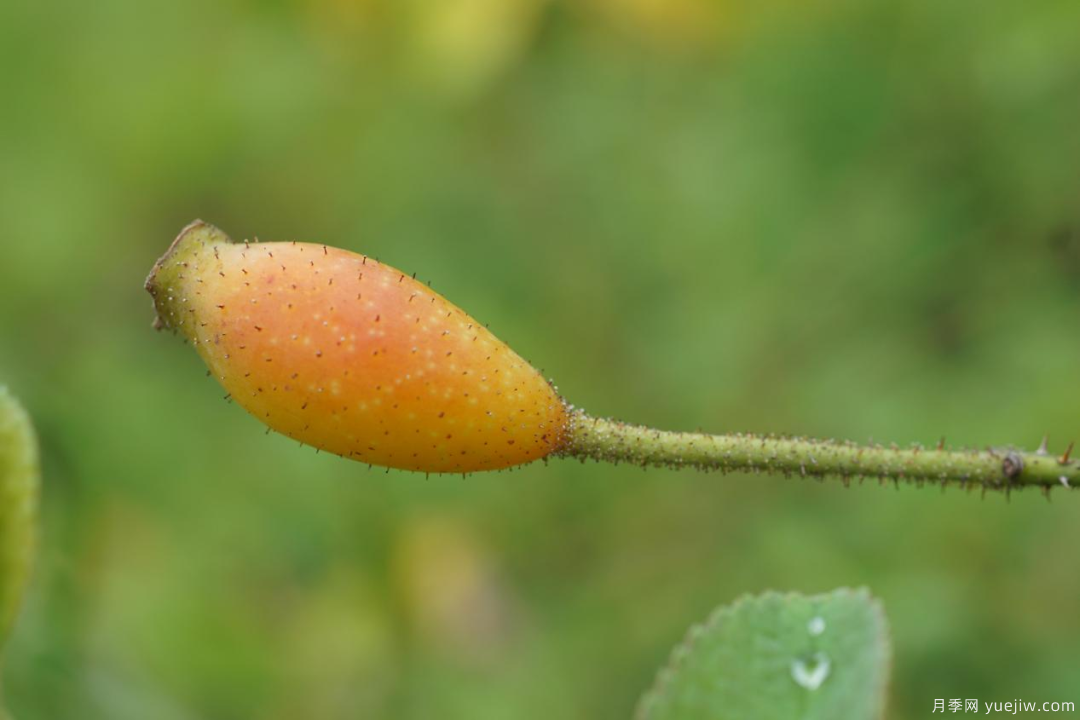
[(354, 357)]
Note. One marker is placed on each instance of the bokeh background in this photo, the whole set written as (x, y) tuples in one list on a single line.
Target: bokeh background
[(837, 218)]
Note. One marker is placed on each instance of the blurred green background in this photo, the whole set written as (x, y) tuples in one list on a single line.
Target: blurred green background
[(842, 219)]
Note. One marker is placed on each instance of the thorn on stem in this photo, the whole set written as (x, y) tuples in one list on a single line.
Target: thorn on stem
[(1065, 458)]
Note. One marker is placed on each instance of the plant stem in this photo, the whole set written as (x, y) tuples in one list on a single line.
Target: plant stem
[(999, 469)]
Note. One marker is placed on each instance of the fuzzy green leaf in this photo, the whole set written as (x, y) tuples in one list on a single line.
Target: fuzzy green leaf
[(779, 657)]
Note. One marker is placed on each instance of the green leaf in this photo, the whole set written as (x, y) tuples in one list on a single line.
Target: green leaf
[(19, 479), (779, 657)]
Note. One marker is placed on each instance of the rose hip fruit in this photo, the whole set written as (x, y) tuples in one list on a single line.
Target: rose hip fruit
[(354, 357)]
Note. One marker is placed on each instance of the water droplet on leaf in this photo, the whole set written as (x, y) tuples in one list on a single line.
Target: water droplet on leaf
[(811, 672)]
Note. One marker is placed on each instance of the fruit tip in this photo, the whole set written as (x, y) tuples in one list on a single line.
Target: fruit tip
[(151, 283)]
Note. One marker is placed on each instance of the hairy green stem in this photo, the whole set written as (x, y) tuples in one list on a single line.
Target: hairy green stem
[(992, 468)]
